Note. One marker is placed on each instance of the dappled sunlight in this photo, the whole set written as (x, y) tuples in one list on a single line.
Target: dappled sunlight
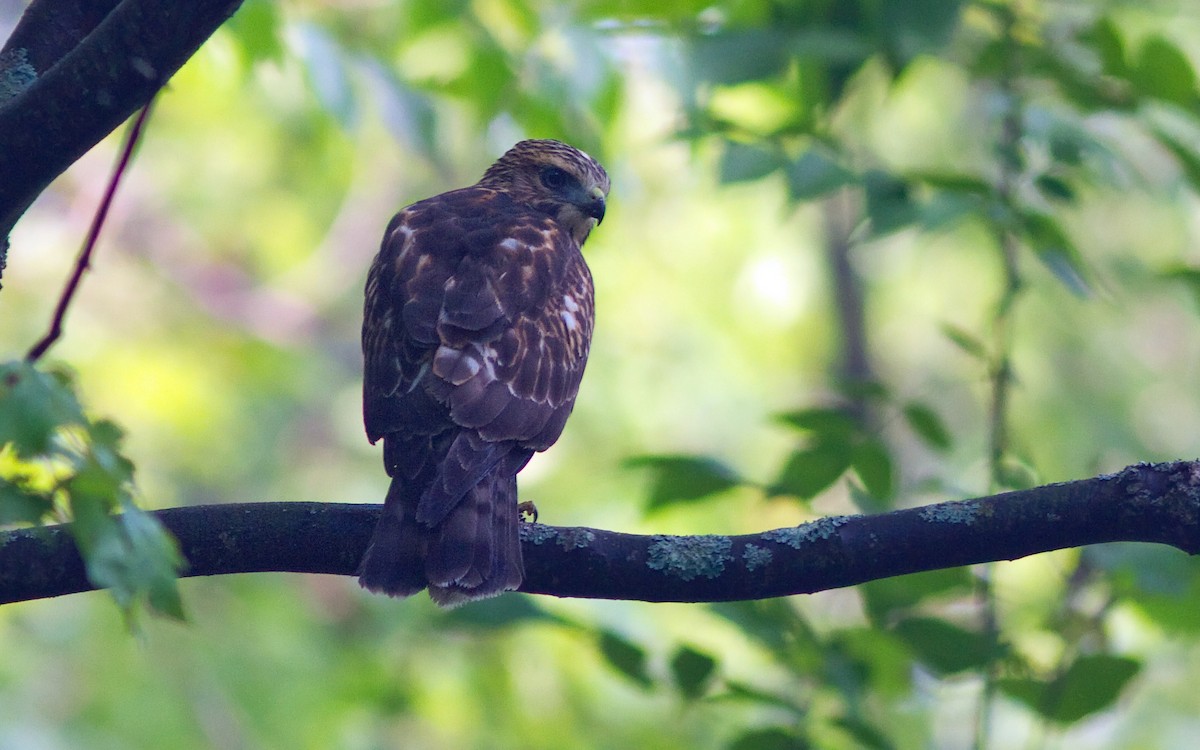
[(219, 326)]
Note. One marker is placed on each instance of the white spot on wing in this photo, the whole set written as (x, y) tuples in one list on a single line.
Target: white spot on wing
[(570, 303), (405, 234), (489, 361), (568, 318), (509, 244), (420, 375)]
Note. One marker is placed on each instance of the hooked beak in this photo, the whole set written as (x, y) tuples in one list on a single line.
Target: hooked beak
[(595, 205)]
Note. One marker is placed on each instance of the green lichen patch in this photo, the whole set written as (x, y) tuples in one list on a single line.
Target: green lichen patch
[(16, 74), (797, 536), (756, 557), (537, 533), (570, 539), (966, 511), (688, 557)]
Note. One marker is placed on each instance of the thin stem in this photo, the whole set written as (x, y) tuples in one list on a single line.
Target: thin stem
[(854, 368), (1001, 375), (85, 254)]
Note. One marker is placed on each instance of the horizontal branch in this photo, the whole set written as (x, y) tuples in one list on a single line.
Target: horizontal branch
[(1157, 503)]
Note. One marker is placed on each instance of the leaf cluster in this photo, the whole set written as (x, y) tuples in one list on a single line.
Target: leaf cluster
[(57, 464)]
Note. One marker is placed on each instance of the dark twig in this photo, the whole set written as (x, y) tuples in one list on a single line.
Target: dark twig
[(85, 254), (1002, 376)]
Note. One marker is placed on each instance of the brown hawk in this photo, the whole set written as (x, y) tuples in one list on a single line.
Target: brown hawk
[(476, 330)]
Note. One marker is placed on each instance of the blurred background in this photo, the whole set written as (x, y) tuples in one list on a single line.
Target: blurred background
[(858, 256)]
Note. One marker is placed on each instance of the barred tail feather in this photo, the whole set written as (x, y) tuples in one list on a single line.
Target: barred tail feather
[(393, 563), (476, 553)]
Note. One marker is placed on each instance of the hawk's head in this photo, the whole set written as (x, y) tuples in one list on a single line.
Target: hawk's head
[(556, 179)]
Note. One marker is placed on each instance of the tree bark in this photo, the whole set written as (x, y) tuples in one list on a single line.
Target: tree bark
[(73, 70), (1158, 503)]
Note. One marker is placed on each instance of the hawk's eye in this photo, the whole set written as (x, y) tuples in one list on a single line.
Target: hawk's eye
[(555, 178)]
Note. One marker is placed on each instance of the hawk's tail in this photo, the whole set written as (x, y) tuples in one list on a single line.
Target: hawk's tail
[(472, 552), (394, 563), (475, 552)]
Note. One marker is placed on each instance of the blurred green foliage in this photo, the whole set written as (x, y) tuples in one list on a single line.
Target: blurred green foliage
[(1012, 185), (57, 464)]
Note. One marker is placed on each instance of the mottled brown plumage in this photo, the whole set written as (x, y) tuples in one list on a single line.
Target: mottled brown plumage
[(476, 330)]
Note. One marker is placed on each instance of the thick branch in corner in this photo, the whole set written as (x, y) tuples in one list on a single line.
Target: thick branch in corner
[(1157, 503), (82, 79)]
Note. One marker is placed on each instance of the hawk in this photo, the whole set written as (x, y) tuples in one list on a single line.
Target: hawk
[(476, 329)]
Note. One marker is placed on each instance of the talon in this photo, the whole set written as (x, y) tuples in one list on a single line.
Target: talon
[(527, 508)]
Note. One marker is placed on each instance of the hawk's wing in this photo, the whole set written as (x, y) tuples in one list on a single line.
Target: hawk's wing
[(479, 314)]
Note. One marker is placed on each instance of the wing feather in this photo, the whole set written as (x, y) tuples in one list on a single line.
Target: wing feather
[(483, 314)]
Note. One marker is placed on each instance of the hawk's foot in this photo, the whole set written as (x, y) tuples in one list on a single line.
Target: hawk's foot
[(527, 508)]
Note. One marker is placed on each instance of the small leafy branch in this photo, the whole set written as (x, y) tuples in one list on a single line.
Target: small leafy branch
[(58, 464)]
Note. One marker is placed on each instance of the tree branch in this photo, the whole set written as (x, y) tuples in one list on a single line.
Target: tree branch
[(84, 260), (70, 74), (1157, 503)]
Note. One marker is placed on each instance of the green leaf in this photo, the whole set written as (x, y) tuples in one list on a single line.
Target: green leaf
[(1078, 84), (681, 479), (1167, 593), (1165, 72), (1105, 40), (1189, 277), (1135, 570), (889, 203), (420, 15), (809, 471), (731, 57), (825, 423), (1091, 684), (774, 623), (626, 657), (1055, 188), (953, 182), (693, 671), (872, 463), (968, 342), (19, 504), (916, 27), (865, 735), (1185, 151), (94, 485), (34, 405), (741, 162), (817, 173), (832, 450), (884, 597), (928, 426), (945, 647), (773, 738), (1052, 246), (880, 662), (1068, 145), (130, 554), (152, 562), (742, 691), (255, 28)]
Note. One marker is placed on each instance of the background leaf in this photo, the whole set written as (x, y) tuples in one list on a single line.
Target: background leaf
[(692, 671), (626, 657), (945, 647), (681, 479), (1092, 683)]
